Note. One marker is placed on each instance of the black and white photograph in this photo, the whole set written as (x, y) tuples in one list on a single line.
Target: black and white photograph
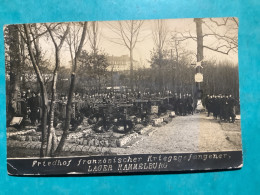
[(122, 96)]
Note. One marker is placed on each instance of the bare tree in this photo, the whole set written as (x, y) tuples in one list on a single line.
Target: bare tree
[(128, 33), (31, 37), (219, 34), (227, 40), (99, 61), (94, 36), (77, 42), (52, 140), (176, 55), (160, 33)]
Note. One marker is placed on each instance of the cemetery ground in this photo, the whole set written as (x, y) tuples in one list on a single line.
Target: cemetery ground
[(192, 133)]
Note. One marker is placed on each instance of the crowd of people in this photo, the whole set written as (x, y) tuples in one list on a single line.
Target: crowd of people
[(28, 106), (221, 106), (31, 106), (106, 106), (102, 108)]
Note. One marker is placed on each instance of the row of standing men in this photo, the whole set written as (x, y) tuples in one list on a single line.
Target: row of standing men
[(221, 106)]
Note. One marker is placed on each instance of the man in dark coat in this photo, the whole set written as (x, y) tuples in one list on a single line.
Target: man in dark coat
[(181, 106), (190, 104), (214, 105), (210, 105), (225, 108), (206, 102), (185, 104), (24, 105), (230, 108), (217, 106), (222, 107)]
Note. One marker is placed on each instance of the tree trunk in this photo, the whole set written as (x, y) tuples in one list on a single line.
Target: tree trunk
[(15, 63), (198, 22), (70, 96), (131, 70), (52, 140), (68, 115), (43, 92)]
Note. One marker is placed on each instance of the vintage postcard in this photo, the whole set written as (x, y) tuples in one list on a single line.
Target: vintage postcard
[(108, 97)]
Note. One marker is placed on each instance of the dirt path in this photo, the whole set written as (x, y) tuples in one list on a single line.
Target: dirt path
[(213, 137), (194, 133)]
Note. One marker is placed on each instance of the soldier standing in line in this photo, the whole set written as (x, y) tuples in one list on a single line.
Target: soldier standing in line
[(181, 105), (221, 107), (225, 110), (217, 109), (210, 105), (185, 104), (214, 106), (190, 104), (230, 108), (206, 102)]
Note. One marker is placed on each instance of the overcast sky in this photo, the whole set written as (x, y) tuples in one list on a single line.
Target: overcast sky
[(146, 44)]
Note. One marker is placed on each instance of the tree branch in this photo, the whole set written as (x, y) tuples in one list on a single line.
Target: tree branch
[(219, 51)]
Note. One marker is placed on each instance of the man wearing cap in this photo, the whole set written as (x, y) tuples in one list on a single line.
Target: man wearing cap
[(230, 108)]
